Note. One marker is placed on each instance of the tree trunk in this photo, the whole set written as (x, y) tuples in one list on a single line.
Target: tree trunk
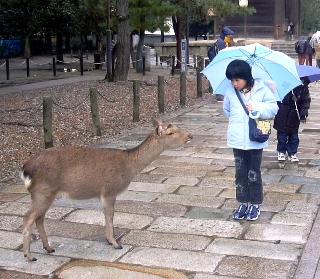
[(139, 63), (176, 21), (59, 47), (26, 47), (67, 43), (48, 42), (123, 41)]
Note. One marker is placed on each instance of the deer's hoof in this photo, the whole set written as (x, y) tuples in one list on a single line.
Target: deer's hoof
[(50, 250), (118, 246), (30, 259)]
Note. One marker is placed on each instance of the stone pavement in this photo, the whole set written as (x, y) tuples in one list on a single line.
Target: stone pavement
[(175, 219)]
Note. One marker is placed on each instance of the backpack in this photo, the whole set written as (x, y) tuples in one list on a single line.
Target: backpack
[(300, 46), (213, 51)]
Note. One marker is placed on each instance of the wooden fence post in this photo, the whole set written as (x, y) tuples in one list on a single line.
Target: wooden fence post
[(54, 69), (95, 112), (199, 84), (47, 122), (28, 67), (136, 101), (7, 69), (183, 88), (161, 94)]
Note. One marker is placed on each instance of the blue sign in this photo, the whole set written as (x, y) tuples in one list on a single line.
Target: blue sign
[(10, 48)]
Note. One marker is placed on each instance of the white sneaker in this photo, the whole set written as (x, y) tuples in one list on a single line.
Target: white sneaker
[(281, 156), (293, 158)]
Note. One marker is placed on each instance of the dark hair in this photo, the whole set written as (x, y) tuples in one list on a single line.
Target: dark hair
[(239, 69)]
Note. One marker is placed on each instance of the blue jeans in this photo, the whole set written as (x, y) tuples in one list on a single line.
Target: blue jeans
[(248, 175), (287, 143)]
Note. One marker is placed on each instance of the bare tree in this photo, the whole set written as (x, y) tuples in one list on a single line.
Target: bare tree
[(123, 42)]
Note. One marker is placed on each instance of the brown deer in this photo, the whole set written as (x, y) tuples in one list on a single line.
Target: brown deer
[(85, 172)]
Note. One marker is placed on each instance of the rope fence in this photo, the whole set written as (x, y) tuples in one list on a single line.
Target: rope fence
[(48, 104)]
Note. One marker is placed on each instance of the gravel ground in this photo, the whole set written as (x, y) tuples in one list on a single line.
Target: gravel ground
[(21, 133)]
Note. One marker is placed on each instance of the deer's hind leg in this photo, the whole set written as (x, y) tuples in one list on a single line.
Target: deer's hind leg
[(41, 201)]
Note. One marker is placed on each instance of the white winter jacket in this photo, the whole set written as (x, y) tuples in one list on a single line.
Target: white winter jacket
[(265, 107)]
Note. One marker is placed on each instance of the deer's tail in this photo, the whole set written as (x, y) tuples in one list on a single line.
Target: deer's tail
[(26, 178)]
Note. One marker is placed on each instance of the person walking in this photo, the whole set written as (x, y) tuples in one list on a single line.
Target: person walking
[(225, 40), (261, 103), (317, 53), (300, 48), (309, 52), (292, 110), (291, 30)]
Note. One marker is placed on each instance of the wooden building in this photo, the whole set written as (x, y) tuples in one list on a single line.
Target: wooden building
[(270, 20)]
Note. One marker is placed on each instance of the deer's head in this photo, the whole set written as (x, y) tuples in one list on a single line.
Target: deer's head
[(171, 135)]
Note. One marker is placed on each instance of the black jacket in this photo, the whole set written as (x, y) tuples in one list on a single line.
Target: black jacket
[(287, 119)]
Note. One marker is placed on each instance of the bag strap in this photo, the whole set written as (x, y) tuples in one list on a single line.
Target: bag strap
[(241, 101)]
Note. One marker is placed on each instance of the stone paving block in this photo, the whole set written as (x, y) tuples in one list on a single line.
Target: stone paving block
[(179, 172), (81, 249), (121, 220), (165, 258), (152, 209), (310, 189), (199, 191), (62, 201), (281, 187), (10, 223), (187, 159), (209, 276), (176, 153), (295, 219), (166, 240), (300, 180), (246, 267), (268, 178), (254, 249), (189, 181), (208, 213), (301, 207), (137, 196), (271, 232), (201, 201), (197, 227), (285, 196), (45, 265), (152, 187), (228, 193), (21, 209), (11, 240), (8, 197), (104, 272), (286, 172), (14, 188), (78, 230), (218, 182), (151, 178), (186, 163)]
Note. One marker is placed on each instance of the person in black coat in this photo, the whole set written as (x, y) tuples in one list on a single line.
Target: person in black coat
[(292, 110)]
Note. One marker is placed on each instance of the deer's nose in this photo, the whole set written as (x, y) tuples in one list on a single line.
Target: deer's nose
[(190, 136)]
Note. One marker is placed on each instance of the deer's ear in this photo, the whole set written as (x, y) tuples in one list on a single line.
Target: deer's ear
[(156, 122), (161, 130)]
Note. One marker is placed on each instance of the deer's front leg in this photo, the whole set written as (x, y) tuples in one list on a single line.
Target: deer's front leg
[(108, 206)]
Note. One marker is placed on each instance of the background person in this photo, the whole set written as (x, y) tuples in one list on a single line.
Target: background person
[(260, 102), (293, 109)]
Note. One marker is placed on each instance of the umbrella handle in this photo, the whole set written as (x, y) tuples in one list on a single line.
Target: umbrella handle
[(295, 103)]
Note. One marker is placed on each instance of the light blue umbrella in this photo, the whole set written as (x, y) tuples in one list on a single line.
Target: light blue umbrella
[(266, 64)]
